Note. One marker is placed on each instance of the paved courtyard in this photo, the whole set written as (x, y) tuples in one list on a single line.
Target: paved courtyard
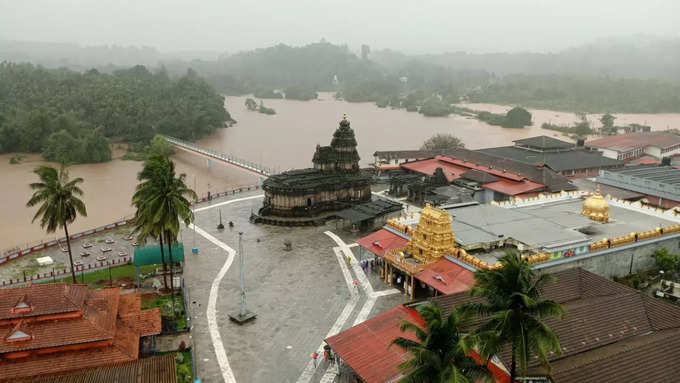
[(300, 296)]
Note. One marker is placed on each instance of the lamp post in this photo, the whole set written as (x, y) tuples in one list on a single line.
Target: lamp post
[(243, 315)]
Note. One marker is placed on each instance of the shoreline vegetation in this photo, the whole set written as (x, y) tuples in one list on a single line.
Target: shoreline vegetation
[(73, 117), (423, 83)]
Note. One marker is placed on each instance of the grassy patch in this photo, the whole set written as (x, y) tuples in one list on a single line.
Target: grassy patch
[(100, 278), (183, 367), (29, 270), (164, 302)]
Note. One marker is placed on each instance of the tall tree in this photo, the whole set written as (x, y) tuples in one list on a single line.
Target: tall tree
[(162, 199), (607, 120), (438, 354), (58, 197), (518, 117), (442, 141), (514, 314)]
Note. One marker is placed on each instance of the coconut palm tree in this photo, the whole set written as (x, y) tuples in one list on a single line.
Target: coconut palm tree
[(58, 197), (439, 354), (147, 191), (162, 199), (514, 314)]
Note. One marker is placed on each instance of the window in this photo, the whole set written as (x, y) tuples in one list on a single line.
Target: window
[(17, 336)]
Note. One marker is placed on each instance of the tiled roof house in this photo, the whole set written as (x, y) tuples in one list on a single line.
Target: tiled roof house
[(55, 328)]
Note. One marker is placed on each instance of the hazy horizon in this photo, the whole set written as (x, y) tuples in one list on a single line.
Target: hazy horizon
[(439, 26)]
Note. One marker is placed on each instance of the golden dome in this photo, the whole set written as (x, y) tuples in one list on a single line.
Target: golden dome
[(596, 207)]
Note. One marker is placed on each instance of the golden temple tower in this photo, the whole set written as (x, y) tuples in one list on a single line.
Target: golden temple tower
[(433, 237), (596, 207)]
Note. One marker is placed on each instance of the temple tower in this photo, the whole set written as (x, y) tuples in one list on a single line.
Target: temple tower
[(433, 237), (344, 146)]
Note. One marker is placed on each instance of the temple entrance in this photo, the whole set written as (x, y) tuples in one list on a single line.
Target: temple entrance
[(309, 202)]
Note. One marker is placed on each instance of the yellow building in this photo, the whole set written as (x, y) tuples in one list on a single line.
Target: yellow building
[(431, 239)]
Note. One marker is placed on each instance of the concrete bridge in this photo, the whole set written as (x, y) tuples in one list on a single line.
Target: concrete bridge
[(222, 157)]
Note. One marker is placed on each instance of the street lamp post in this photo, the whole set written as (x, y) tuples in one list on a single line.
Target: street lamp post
[(243, 315)]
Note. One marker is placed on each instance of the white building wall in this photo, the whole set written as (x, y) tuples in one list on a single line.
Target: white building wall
[(653, 151), (610, 153)]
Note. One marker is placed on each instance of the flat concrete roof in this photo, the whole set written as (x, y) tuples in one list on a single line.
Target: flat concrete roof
[(549, 225)]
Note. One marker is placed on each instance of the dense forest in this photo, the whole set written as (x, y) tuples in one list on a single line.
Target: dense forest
[(590, 94), (635, 74), (601, 82), (71, 116)]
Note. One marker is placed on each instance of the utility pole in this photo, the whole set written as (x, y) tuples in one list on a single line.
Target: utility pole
[(243, 315)]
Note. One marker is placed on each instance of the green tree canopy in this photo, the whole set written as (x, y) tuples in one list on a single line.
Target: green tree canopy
[(514, 314), (442, 141), (58, 198), (40, 107), (518, 117), (438, 354)]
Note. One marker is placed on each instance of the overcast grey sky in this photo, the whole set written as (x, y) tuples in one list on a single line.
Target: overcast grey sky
[(424, 26)]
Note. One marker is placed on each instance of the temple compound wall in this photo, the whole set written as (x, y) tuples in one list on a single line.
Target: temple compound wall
[(618, 261)]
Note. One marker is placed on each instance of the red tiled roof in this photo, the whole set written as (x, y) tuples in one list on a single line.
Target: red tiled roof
[(428, 167), (147, 322), (513, 188), (106, 316), (455, 278), (125, 348), (97, 323), (366, 346), (156, 369), (509, 183), (43, 299), (382, 241), (624, 142)]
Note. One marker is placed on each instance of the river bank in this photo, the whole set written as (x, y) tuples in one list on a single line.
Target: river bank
[(108, 189), (660, 121), (282, 141)]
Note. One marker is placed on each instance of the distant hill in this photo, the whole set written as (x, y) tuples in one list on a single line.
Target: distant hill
[(641, 57), (632, 74)]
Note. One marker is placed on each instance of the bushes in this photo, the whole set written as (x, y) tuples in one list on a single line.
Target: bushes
[(667, 261)]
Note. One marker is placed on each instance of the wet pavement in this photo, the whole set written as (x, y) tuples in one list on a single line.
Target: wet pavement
[(298, 295)]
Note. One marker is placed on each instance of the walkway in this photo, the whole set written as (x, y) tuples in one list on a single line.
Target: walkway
[(226, 158), (301, 297)]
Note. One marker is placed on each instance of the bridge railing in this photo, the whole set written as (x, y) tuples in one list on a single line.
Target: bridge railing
[(222, 156)]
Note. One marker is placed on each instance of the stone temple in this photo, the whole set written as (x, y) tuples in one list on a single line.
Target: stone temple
[(309, 196)]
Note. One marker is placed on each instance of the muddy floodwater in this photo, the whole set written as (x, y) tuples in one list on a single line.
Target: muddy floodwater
[(108, 188), (281, 141)]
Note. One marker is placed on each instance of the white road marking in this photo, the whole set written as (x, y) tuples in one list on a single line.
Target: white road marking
[(342, 251), (211, 311), (310, 369)]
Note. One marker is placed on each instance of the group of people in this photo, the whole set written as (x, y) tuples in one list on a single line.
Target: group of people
[(371, 263)]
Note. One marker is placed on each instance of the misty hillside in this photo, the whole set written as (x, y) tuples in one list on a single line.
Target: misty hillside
[(632, 57), (633, 75)]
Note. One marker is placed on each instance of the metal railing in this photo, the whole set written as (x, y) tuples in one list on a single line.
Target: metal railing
[(233, 160)]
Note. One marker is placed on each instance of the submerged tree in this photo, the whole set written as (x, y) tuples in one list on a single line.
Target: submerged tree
[(442, 141), (58, 197)]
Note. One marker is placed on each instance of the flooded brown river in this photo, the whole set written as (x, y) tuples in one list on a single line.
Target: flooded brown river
[(282, 141)]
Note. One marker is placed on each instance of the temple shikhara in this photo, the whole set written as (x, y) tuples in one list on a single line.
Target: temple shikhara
[(305, 196), (58, 328)]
